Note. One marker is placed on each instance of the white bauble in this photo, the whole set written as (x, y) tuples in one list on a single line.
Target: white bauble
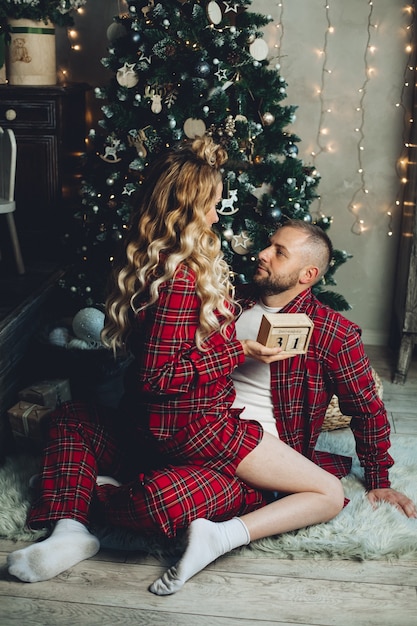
[(88, 324), (59, 336), (79, 344), (194, 127)]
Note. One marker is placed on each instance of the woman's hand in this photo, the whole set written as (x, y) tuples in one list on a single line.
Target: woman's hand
[(258, 351)]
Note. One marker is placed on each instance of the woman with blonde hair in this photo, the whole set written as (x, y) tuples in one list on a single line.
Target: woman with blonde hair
[(185, 460)]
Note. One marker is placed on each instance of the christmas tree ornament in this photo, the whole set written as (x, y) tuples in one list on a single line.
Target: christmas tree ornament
[(268, 118), (221, 75), (137, 138), (227, 204), (87, 325), (128, 189), (126, 76), (116, 31), (259, 49), (155, 95), (110, 151), (214, 13), (273, 213), (291, 149), (147, 9), (202, 69), (194, 127), (241, 243), (145, 58), (59, 336)]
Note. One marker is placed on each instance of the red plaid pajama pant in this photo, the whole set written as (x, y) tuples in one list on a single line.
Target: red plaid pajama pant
[(84, 441)]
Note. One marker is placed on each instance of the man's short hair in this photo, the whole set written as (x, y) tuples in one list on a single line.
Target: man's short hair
[(320, 246)]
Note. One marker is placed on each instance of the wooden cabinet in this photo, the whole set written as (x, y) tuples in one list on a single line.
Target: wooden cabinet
[(49, 124)]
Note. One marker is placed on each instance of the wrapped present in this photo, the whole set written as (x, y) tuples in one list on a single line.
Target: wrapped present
[(26, 419), (50, 393)]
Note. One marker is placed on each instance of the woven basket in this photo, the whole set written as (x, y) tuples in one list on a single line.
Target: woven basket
[(334, 417)]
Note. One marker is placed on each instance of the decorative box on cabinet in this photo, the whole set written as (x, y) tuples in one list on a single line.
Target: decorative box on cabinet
[(49, 124)]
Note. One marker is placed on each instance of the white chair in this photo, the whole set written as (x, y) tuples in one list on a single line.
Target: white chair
[(8, 158)]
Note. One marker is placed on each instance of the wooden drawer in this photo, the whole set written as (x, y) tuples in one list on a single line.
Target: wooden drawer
[(38, 115), (49, 124)]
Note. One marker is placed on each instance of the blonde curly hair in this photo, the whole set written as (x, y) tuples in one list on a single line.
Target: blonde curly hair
[(169, 228)]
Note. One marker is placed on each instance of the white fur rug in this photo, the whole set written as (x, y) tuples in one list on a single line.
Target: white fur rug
[(358, 532)]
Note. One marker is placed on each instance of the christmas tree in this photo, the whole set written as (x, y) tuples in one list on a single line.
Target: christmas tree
[(181, 69)]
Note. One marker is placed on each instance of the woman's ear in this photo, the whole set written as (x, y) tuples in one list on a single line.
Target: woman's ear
[(309, 275)]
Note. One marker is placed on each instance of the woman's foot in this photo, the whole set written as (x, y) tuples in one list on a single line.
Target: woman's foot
[(69, 544)]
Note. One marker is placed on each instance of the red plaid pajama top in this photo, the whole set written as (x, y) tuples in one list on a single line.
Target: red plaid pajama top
[(175, 443), (303, 386), (185, 394)]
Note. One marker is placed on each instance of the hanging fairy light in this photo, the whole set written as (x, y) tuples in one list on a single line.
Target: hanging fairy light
[(404, 104)]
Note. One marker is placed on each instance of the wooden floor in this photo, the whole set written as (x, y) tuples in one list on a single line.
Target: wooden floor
[(112, 587)]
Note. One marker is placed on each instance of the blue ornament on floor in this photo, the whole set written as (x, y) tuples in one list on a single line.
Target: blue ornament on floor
[(87, 326)]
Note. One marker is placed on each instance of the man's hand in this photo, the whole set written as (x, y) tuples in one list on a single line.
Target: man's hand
[(397, 499), (258, 351)]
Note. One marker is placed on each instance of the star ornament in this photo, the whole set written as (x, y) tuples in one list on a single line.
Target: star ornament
[(128, 189), (127, 69), (241, 243), (145, 58), (221, 74), (241, 240), (230, 6)]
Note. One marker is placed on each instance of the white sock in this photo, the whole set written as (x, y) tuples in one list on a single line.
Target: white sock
[(206, 542), (69, 543), (107, 480)]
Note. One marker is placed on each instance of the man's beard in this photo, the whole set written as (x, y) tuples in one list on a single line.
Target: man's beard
[(271, 286)]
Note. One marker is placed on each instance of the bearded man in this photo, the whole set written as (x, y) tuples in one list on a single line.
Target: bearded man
[(290, 397)]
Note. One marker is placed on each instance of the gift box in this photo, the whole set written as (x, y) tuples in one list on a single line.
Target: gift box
[(26, 421), (289, 331), (49, 393)]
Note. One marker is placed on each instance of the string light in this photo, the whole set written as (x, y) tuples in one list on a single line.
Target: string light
[(280, 28), (404, 161), (360, 201), (73, 36), (354, 206)]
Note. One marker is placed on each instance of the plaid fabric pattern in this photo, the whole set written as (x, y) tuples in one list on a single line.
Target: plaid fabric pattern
[(85, 440), (303, 385), (185, 394), (178, 400), (167, 501), (176, 381)]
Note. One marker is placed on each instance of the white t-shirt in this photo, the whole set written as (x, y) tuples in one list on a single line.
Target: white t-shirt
[(252, 379)]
